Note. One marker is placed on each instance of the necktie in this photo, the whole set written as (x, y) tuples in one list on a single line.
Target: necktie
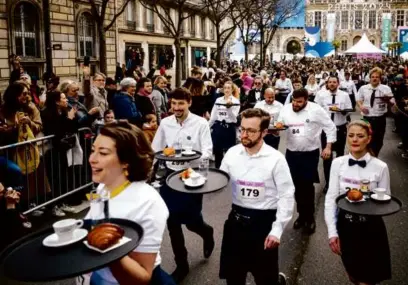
[(372, 98), (361, 163), (333, 102)]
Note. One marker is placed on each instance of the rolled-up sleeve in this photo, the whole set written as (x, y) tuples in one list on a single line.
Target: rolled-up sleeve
[(330, 207), (206, 141), (286, 190)]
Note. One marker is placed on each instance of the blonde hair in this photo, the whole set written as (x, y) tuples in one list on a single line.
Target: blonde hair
[(158, 79), (310, 77), (376, 70), (235, 89), (366, 127)]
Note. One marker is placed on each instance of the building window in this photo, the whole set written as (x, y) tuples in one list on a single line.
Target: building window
[(358, 18), (318, 19), (26, 30), (130, 14), (344, 20), (343, 45), (372, 19), (87, 36), (203, 27), (400, 18), (150, 20), (192, 26)]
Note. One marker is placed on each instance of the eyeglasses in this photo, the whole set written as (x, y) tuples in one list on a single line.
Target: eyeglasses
[(248, 131), (257, 83)]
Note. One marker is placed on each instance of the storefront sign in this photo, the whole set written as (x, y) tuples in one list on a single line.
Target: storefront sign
[(386, 28), (359, 6)]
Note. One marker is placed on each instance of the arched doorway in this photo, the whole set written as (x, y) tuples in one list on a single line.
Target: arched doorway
[(356, 39), (293, 47)]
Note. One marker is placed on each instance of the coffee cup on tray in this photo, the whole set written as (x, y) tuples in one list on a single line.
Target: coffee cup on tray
[(65, 228)]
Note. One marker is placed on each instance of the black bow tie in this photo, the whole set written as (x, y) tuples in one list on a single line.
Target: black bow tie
[(361, 163)]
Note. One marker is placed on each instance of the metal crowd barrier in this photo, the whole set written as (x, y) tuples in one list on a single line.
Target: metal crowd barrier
[(52, 180)]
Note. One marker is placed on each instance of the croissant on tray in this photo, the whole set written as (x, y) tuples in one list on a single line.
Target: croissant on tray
[(354, 195), (105, 235)]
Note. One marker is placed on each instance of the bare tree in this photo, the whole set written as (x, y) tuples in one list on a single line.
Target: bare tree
[(246, 23), (219, 12), (271, 14), (99, 13), (185, 9)]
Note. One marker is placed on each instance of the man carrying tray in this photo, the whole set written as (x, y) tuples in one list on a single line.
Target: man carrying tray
[(333, 101), (262, 205), (184, 208)]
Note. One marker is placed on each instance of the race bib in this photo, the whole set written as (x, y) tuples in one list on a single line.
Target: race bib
[(381, 107), (222, 114), (250, 191), (297, 129), (348, 184)]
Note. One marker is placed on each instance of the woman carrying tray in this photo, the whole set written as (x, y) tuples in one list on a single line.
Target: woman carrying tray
[(121, 161), (360, 240)]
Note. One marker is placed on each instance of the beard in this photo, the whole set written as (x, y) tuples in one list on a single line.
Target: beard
[(298, 109), (250, 143)]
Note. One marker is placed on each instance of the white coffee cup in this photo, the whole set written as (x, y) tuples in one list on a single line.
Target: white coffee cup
[(65, 228), (380, 193), (195, 177), (188, 149)]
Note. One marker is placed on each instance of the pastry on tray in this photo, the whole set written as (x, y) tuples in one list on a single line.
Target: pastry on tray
[(169, 151), (279, 125), (354, 195), (334, 108), (105, 235), (186, 173)]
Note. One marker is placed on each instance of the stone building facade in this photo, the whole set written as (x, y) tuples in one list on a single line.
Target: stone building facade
[(354, 18)]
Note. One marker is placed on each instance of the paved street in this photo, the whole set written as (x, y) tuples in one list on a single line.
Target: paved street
[(305, 260)]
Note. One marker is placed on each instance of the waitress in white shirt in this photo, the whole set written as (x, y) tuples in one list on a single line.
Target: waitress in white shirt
[(361, 241), (121, 162), (223, 122), (283, 86), (312, 87), (272, 107)]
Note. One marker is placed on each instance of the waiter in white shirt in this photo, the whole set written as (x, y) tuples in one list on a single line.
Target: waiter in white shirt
[(333, 97), (272, 107), (283, 86), (349, 86), (223, 122), (306, 121), (184, 208), (262, 205), (373, 100)]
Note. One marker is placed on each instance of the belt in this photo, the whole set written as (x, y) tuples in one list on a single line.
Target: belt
[(246, 216), (224, 124), (374, 118)]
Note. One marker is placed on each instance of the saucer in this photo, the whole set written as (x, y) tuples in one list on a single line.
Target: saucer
[(189, 182), (188, 153), (385, 199), (52, 240)]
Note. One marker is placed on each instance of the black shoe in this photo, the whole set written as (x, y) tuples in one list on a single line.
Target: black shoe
[(282, 279), (310, 227), (298, 224), (180, 273), (209, 244)]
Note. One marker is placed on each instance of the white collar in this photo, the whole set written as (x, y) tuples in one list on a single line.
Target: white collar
[(366, 157)]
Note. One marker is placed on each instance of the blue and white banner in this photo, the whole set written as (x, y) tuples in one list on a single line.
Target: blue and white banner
[(330, 26)]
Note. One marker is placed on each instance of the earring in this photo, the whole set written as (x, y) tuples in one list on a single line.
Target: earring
[(126, 172)]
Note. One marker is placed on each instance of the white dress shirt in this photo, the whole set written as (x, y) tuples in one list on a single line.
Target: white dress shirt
[(222, 113), (344, 177), (284, 84), (305, 127), (350, 86), (312, 88), (380, 106), (261, 181), (272, 109), (342, 101), (170, 132), (141, 203)]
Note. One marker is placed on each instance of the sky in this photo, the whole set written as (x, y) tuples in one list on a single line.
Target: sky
[(298, 20)]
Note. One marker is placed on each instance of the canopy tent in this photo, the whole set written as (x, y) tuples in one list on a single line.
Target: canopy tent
[(364, 46)]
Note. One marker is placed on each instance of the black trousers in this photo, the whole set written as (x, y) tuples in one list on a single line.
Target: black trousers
[(242, 249), (353, 100), (337, 147), (281, 97), (378, 125), (223, 136), (303, 167), (177, 237), (272, 141)]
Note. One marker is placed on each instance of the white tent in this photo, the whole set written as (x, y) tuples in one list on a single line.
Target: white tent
[(364, 46), (404, 55)]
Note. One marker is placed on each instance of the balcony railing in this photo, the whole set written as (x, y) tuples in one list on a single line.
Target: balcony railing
[(150, 28), (131, 25)]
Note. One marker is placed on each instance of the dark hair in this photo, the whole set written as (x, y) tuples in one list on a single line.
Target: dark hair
[(132, 148), (107, 112), (51, 102), (302, 92), (11, 104), (180, 94), (347, 73), (335, 77), (258, 113), (195, 86), (109, 81), (296, 80), (141, 82), (149, 117)]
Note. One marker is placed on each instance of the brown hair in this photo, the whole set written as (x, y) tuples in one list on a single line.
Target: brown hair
[(366, 127), (180, 94), (302, 92), (235, 89), (132, 148), (258, 113)]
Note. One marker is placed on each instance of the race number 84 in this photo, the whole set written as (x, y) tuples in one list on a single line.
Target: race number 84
[(295, 131), (249, 193)]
